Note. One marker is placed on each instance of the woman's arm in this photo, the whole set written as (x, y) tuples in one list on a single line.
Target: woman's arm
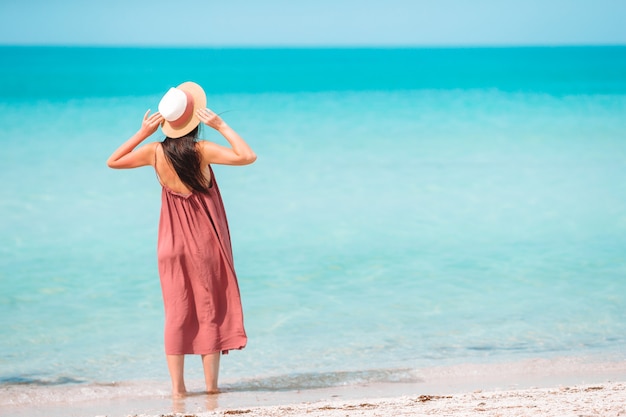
[(239, 153), (126, 156)]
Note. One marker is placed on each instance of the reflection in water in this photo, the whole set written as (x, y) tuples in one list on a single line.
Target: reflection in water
[(179, 405)]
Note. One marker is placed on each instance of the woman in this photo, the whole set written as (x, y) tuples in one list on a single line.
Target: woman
[(203, 312)]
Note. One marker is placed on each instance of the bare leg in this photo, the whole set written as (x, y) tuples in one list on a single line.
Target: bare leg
[(176, 365), (211, 365)]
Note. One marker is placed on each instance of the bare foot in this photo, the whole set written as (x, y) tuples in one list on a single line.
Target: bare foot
[(179, 394), (213, 391)]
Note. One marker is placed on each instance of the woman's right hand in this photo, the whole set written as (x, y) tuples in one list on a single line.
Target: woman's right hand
[(238, 154)]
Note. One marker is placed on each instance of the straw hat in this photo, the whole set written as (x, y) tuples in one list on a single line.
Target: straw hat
[(178, 107)]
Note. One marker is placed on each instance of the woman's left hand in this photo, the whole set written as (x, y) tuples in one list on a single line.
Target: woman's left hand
[(151, 123)]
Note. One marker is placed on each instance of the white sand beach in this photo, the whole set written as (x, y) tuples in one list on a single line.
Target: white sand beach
[(606, 400)]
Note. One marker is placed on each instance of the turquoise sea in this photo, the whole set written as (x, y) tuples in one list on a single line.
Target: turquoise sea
[(409, 208)]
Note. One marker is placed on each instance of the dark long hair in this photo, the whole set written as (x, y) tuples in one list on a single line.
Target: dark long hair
[(184, 157)]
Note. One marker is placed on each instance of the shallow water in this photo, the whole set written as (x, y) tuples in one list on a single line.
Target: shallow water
[(384, 226)]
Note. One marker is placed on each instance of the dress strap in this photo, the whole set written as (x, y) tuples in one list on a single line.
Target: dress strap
[(156, 150)]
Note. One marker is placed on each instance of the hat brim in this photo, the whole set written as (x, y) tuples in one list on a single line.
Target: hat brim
[(199, 102)]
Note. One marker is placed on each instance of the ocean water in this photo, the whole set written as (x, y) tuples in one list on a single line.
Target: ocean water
[(409, 208)]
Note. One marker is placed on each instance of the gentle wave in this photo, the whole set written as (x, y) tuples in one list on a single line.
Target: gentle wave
[(315, 380), (37, 381)]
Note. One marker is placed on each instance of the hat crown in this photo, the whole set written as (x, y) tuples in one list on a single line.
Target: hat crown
[(173, 104)]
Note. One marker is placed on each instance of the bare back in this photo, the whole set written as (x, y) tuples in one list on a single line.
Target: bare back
[(167, 174)]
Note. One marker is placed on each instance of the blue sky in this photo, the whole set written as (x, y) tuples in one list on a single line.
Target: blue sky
[(313, 23)]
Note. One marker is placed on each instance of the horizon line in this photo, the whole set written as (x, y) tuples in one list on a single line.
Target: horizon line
[(310, 46)]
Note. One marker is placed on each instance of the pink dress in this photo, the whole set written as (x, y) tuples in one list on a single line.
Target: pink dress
[(203, 311)]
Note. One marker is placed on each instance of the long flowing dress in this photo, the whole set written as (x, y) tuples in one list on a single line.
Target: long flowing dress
[(203, 312)]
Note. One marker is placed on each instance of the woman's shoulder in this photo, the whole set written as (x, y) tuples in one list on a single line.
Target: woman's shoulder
[(153, 148), (152, 145), (205, 147)]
